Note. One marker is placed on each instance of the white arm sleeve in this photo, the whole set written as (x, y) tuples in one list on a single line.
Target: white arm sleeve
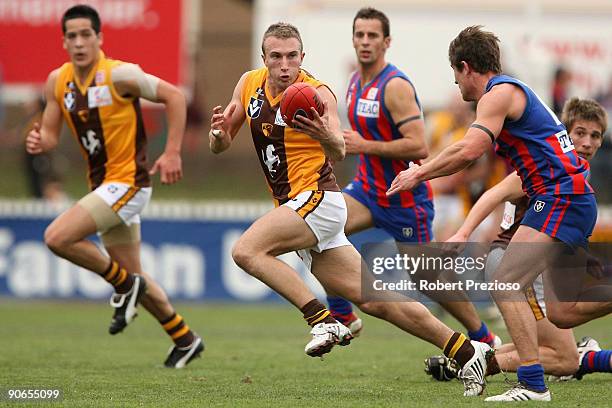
[(147, 83)]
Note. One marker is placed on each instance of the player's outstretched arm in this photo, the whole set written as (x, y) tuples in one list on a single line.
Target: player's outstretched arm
[(225, 123), (510, 188), (44, 137), (325, 129), (400, 100), (492, 109)]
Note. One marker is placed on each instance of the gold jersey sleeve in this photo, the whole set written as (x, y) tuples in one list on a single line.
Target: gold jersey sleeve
[(107, 126), (292, 162)]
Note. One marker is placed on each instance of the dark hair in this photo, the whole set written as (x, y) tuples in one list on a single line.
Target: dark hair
[(82, 11), (584, 109), (283, 31), (369, 13), (480, 49)]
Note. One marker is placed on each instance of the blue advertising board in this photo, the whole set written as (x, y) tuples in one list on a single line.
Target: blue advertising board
[(189, 256)]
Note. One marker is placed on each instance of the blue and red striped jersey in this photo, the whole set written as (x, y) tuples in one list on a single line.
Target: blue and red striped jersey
[(370, 117), (538, 147)]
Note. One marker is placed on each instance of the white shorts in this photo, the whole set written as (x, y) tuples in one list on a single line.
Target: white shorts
[(325, 214), (116, 208), (126, 201), (534, 294)]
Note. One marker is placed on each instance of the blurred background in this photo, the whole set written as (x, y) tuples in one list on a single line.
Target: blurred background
[(561, 48)]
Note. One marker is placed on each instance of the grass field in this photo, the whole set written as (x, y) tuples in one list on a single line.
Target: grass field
[(254, 358)]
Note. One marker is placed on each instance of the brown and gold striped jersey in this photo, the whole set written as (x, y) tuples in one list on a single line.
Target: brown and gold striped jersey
[(107, 126), (292, 161)]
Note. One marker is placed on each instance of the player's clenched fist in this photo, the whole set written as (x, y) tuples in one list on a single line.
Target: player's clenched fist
[(33, 140)]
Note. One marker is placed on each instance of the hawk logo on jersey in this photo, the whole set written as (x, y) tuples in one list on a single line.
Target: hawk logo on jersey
[(266, 128), (83, 115), (372, 93), (408, 232), (539, 206), (567, 145), (367, 108), (69, 101)]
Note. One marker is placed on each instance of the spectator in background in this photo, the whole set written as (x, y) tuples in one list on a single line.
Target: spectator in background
[(445, 127), (600, 165), (194, 122), (605, 99), (559, 89)]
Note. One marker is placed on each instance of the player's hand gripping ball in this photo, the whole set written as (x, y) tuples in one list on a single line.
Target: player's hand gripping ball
[(297, 100)]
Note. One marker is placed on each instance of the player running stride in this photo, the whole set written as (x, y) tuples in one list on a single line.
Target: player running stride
[(99, 99), (310, 212)]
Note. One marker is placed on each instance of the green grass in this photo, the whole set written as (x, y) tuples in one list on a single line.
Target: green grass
[(254, 358)]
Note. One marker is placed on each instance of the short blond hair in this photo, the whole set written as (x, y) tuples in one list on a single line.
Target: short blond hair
[(283, 31)]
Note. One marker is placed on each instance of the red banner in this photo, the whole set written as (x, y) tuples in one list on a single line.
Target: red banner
[(146, 32)]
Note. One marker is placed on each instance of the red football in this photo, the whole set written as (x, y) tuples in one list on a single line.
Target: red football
[(297, 100)]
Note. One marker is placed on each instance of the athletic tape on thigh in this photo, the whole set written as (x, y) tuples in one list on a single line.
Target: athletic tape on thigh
[(103, 215)]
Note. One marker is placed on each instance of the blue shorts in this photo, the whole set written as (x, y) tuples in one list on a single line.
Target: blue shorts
[(404, 224), (568, 218)]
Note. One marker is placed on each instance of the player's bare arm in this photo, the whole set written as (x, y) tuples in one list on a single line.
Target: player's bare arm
[(131, 81), (225, 123), (326, 128), (44, 137), (492, 109), (509, 189), (401, 101), (169, 163)]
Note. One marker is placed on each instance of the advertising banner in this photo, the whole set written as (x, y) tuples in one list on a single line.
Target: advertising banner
[(147, 32), (189, 256)]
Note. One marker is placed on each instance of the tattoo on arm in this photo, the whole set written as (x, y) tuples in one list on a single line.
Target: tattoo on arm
[(484, 129)]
